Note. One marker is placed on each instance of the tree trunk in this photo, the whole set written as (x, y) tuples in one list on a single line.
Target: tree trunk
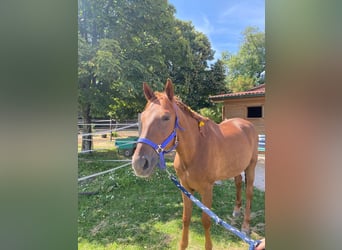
[(87, 141)]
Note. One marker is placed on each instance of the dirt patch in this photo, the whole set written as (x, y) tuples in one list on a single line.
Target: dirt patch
[(98, 227)]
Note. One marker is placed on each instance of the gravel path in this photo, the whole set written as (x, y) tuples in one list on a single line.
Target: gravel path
[(259, 181)]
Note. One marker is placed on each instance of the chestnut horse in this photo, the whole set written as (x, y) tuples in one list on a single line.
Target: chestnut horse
[(205, 152)]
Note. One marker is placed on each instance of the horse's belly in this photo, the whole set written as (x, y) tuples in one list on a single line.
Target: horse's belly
[(232, 167)]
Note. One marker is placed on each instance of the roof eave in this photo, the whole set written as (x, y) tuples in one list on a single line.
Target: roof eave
[(223, 98)]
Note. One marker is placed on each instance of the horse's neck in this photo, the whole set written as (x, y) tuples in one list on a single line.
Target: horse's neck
[(189, 137)]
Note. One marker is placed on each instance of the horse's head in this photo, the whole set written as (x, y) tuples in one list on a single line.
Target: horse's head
[(157, 123)]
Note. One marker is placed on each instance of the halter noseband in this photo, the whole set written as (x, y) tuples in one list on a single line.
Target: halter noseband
[(160, 148)]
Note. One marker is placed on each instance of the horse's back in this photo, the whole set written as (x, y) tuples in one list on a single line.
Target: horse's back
[(239, 132), (237, 125)]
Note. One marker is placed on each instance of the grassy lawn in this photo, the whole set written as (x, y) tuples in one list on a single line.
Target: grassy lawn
[(127, 212)]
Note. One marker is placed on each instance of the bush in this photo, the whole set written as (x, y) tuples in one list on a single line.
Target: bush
[(214, 113)]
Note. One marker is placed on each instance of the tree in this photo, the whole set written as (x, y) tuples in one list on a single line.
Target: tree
[(215, 84), (191, 73), (98, 62), (124, 43), (244, 68)]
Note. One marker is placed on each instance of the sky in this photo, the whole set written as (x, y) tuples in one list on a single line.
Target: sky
[(223, 21)]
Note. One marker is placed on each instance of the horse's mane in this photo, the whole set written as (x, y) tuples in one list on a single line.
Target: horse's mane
[(199, 118)]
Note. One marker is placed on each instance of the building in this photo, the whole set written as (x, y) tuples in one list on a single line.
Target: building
[(248, 105)]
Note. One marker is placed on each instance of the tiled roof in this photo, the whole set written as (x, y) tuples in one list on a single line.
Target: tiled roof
[(253, 92)]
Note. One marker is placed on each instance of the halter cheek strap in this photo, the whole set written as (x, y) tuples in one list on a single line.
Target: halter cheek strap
[(160, 148)]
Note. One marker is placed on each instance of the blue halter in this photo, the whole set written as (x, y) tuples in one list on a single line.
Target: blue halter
[(160, 148)]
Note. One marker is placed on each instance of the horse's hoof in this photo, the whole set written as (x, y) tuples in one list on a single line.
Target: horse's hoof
[(236, 213)]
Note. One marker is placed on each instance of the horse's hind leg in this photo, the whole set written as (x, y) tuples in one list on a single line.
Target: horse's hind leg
[(249, 176), (238, 187)]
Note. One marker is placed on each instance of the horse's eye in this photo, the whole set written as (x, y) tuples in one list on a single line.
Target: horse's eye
[(166, 117)]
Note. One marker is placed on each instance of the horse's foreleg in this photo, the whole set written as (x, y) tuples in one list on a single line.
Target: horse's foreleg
[(187, 210), (238, 187), (250, 174), (207, 197)]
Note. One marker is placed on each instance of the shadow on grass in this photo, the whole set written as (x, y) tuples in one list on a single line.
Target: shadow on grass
[(134, 213)]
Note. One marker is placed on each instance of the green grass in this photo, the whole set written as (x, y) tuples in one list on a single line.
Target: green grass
[(129, 212)]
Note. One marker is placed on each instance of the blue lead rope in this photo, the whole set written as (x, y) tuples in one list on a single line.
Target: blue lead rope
[(243, 236)]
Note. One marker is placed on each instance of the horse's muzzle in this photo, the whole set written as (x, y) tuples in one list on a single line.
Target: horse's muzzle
[(143, 165)]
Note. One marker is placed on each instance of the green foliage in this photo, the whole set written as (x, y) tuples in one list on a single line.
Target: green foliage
[(242, 83), (120, 34), (244, 68), (97, 69), (128, 212), (124, 43), (214, 112)]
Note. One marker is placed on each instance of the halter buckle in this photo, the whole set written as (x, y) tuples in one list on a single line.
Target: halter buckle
[(159, 149)]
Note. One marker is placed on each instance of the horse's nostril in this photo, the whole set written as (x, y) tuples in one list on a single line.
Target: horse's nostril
[(146, 164)]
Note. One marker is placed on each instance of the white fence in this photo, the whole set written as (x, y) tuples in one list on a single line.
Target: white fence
[(100, 131), (104, 127)]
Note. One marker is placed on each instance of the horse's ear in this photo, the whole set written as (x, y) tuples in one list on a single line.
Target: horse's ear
[(169, 89), (148, 92)]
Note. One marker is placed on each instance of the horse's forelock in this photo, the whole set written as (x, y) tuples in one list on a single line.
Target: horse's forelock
[(158, 96), (177, 103)]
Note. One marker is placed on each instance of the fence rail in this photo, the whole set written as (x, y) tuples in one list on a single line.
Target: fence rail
[(103, 128), (117, 127)]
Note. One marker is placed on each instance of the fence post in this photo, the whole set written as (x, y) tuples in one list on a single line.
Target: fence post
[(110, 127)]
